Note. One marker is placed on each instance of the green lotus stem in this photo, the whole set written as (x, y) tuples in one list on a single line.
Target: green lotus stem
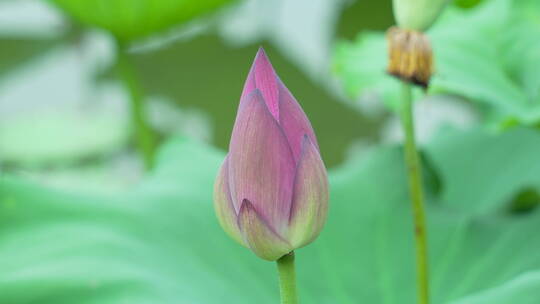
[(287, 279), (144, 135), (416, 194)]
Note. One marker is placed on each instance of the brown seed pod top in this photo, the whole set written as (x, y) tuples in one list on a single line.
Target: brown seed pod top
[(410, 56)]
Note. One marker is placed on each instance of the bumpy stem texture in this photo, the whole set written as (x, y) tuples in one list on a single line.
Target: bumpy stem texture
[(145, 138), (416, 194), (287, 279)]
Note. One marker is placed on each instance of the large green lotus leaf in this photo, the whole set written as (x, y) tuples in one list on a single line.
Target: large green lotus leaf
[(523, 288), (491, 62), (463, 161), (132, 19), (160, 243)]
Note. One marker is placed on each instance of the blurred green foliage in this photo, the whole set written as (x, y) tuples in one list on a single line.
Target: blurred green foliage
[(102, 134), (161, 241), (210, 63), (483, 54), (467, 3), (181, 72), (364, 15), (132, 19), (16, 52), (476, 156)]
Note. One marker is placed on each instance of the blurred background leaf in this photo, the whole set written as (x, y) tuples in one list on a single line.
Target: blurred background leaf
[(521, 288), (15, 52), (128, 19), (456, 156), (467, 3), (73, 78), (485, 63), (162, 242)]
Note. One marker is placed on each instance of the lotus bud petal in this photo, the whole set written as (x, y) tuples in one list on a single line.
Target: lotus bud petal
[(417, 15), (271, 193)]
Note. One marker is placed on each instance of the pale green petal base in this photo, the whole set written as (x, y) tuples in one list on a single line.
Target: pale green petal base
[(260, 238), (310, 201), (224, 207)]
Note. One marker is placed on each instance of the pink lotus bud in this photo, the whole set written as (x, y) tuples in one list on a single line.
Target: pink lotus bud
[(271, 194)]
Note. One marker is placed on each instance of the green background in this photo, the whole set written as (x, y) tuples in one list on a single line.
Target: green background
[(82, 222)]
